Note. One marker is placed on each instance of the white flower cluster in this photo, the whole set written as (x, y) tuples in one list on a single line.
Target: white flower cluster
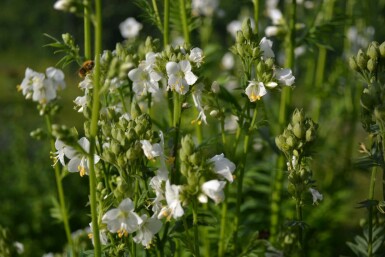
[(40, 87), (256, 89)]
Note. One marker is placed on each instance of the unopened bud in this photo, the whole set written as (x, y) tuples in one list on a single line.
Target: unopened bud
[(215, 87), (239, 38), (310, 135), (353, 63), (373, 51), (269, 62), (297, 116), (372, 65), (382, 50), (298, 130), (362, 59), (246, 29), (214, 113)]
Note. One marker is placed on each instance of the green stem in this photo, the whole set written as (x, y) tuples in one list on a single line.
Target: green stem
[(256, 15), (166, 23), (246, 145), (196, 228), (60, 190), (298, 206), (285, 100), (370, 214), (221, 243), (183, 17), (176, 124), (321, 60), (156, 11), (87, 31), (94, 128)]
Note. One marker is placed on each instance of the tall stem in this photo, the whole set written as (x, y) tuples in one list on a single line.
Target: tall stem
[(299, 219), (94, 127), (60, 190), (370, 214), (183, 17), (87, 31), (196, 229), (256, 15), (166, 23), (285, 100), (246, 144)]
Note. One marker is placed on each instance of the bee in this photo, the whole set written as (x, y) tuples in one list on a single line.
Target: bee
[(86, 68)]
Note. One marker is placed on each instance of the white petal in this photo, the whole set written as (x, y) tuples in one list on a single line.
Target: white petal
[(190, 78), (172, 68)]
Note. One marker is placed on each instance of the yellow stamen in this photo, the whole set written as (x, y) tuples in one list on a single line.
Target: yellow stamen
[(122, 232), (82, 170)]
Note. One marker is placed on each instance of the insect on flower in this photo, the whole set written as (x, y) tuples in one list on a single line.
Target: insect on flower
[(86, 67)]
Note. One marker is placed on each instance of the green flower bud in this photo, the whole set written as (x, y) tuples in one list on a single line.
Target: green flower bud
[(195, 159), (372, 65), (239, 38), (256, 53), (246, 29), (269, 62), (100, 186), (108, 156), (38, 134), (291, 189), (310, 135), (120, 136), (130, 135), (362, 59), (297, 116), (188, 145), (353, 63), (184, 169), (260, 67), (298, 130), (367, 100), (239, 48), (115, 147), (379, 113), (291, 141), (280, 141), (121, 160), (373, 50), (382, 50), (131, 154)]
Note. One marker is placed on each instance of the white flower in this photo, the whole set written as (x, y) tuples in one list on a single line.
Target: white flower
[(81, 102), (180, 76), (86, 83), (151, 151), (197, 98), (265, 46), (156, 185), (147, 229), (57, 78), (255, 90), (284, 76), (214, 190), (204, 7), (174, 208), (63, 5), (102, 235), (228, 61), (130, 28), (271, 31), (316, 195), (122, 220), (78, 161), (275, 15), (223, 166), (196, 55), (144, 81), (42, 88), (19, 247), (233, 27)]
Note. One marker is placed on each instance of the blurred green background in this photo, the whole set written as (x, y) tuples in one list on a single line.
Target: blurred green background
[(27, 182)]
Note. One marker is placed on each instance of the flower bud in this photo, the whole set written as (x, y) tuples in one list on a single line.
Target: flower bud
[(131, 154), (362, 59), (115, 147), (291, 142), (239, 38), (310, 135), (298, 130), (38, 134), (269, 62), (280, 141), (187, 145), (353, 63), (214, 113), (246, 29), (215, 88), (372, 65), (260, 67), (239, 48), (120, 136), (297, 116), (108, 156), (121, 160), (194, 159), (382, 50), (373, 50)]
